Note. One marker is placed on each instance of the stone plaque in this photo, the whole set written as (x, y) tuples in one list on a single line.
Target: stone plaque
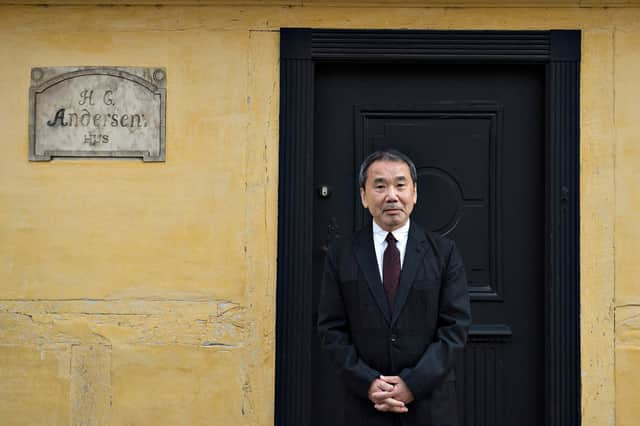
[(97, 112)]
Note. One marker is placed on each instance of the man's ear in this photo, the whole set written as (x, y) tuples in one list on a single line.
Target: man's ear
[(415, 193), (363, 199)]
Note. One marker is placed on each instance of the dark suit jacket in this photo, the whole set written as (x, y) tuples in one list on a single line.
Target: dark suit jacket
[(417, 340)]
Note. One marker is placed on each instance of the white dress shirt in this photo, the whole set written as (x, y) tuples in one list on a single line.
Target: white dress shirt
[(380, 243)]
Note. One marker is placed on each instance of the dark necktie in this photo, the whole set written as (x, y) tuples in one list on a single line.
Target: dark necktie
[(391, 269)]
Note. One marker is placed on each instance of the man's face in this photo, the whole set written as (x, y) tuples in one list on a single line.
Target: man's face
[(389, 193)]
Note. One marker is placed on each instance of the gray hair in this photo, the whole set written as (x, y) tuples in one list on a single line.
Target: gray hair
[(386, 155)]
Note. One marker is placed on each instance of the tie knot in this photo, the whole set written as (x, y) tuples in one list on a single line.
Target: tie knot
[(391, 239)]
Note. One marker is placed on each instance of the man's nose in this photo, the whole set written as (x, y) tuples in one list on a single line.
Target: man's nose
[(392, 195)]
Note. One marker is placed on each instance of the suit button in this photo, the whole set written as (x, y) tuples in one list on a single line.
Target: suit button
[(394, 338)]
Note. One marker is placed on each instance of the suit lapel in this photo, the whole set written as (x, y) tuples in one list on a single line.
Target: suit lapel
[(413, 256), (366, 257)]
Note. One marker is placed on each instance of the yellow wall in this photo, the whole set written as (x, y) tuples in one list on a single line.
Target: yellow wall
[(138, 293)]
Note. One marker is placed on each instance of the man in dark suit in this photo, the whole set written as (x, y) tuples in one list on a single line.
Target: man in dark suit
[(394, 307)]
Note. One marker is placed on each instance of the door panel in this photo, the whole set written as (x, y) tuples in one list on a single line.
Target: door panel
[(435, 136), (476, 136)]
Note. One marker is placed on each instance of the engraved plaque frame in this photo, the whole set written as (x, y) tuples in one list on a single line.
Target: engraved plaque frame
[(149, 83)]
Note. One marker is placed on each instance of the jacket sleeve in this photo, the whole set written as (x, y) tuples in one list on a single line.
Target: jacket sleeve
[(335, 338), (454, 319)]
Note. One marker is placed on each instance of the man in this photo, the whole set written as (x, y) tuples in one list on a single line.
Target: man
[(394, 307)]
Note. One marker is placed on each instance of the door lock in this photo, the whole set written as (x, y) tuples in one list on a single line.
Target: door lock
[(325, 191)]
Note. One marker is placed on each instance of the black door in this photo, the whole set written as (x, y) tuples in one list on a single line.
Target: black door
[(476, 134)]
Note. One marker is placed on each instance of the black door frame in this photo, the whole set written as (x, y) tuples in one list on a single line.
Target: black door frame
[(300, 50)]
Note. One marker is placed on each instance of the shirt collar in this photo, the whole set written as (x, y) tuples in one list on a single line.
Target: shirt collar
[(379, 234)]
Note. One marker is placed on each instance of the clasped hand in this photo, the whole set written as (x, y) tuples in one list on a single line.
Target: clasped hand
[(390, 393)]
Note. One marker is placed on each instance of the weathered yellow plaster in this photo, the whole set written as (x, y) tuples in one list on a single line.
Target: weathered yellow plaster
[(262, 189), (627, 177), (35, 385), (597, 227), (627, 298), (138, 293), (628, 326), (627, 385), (91, 388), (352, 3), (176, 385), (136, 229)]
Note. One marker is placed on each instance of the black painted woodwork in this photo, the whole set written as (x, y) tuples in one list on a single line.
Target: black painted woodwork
[(458, 193), (559, 52), (476, 135), (293, 332)]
